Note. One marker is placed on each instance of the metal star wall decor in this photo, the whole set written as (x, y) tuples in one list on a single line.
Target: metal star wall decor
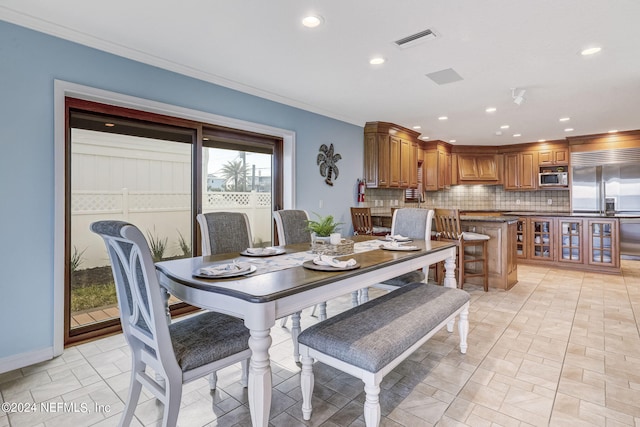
[(327, 161)]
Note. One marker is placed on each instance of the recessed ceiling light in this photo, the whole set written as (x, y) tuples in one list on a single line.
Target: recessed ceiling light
[(443, 118), (568, 130), (424, 137), (515, 135), (590, 51), (452, 141), (565, 119), (613, 131), (377, 60), (491, 110), (504, 127), (417, 127), (312, 21), (542, 140), (109, 125)]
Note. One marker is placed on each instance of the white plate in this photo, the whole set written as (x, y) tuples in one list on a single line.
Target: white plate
[(399, 248), (256, 252), (227, 270)]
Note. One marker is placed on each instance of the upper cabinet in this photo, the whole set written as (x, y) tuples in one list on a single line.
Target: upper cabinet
[(436, 165), (520, 170), (556, 154), (476, 165), (390, 156)]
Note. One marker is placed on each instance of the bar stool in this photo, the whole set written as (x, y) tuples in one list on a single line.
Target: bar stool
[(363, 224), (448, 229)]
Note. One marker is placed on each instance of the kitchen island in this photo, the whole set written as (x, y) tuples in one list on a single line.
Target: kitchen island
[(503, 261), (503, 265)]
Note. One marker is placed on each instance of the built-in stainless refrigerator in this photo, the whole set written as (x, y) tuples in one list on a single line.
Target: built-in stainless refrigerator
[(608, 182)]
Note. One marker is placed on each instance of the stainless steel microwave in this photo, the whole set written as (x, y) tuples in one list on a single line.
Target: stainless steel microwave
[(553, 179)]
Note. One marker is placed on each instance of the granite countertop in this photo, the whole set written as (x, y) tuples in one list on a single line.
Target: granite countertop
[(489, 218), (574, 214)]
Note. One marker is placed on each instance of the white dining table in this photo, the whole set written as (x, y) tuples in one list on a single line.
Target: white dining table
[(262, 297)]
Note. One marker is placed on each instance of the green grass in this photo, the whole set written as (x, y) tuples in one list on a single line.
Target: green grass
[(93, 296)]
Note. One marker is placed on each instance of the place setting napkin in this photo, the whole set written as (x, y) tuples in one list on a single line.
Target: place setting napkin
[(333, 262), (399, 246), (262, 251), (222, 270)]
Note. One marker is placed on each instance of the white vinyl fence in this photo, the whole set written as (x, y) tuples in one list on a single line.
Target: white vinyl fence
[(159, 214)]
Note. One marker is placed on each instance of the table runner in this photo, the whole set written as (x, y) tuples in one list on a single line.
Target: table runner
[(282, 262)]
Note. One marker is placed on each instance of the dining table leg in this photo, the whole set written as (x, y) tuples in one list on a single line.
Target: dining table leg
[(259, 393), (450, 282)]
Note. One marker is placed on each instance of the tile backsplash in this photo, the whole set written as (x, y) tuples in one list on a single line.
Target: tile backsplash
[(474, 197)]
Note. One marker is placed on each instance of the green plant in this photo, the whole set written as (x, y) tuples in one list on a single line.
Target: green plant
[(184, 246), (76, 258), (157, 245), (324, 226)]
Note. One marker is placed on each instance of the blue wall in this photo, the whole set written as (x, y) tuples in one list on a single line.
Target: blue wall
[(29, 63)]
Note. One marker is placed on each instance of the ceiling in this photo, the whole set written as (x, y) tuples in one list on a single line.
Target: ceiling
[(261, 48)]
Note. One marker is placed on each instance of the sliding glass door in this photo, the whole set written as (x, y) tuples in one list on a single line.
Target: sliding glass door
[(156, 172)]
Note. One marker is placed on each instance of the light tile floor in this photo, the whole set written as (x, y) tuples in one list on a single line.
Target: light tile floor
[(561, 348)]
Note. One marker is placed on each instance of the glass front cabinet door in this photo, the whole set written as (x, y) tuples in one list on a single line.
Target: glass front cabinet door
[(570, 240), (540, 241), (602, 243), (521, 238)]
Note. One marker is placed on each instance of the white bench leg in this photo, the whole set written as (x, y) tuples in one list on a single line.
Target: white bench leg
[(295, 331), (463, 328), (306, 385), (372, 405), (364, 295), (213, 380)]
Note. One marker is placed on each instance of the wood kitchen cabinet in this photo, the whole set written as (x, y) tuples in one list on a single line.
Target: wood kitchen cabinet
[(554, 155), (390, 156), (520, 170), (572, 242), (602, 237), (477, 167), (436, 167)]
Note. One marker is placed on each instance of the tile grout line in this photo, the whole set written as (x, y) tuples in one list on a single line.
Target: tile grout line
[(491, 348)]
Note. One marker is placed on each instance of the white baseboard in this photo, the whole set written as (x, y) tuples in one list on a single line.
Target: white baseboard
[(25, 359)]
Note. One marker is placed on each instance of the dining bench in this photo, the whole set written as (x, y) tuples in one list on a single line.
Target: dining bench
[(369, 340)]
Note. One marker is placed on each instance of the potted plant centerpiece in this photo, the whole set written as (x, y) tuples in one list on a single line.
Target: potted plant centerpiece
[(323, 227)]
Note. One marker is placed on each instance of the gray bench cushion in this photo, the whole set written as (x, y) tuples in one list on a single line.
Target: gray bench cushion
[(371, 335)]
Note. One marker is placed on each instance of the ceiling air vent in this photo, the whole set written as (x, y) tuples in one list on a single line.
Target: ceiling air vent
[(414, 39)]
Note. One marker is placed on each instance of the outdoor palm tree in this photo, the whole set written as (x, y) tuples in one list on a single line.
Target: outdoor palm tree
[(327, 161), (235, 171)]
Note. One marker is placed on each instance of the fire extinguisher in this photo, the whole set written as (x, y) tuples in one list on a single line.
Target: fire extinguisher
[(361, 187)]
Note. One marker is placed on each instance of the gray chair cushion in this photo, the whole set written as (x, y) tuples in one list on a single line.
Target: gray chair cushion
[(207, 337), (294, 226), (411, 222), (228, 232), (371, 335)]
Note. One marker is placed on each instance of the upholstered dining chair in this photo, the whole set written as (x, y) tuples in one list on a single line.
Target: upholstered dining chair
[(223, 232), (291, 226), (414, 223), (177, 353), (363, 223)]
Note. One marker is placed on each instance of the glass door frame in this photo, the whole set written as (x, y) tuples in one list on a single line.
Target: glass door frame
[(83, 333), (63, 89)]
